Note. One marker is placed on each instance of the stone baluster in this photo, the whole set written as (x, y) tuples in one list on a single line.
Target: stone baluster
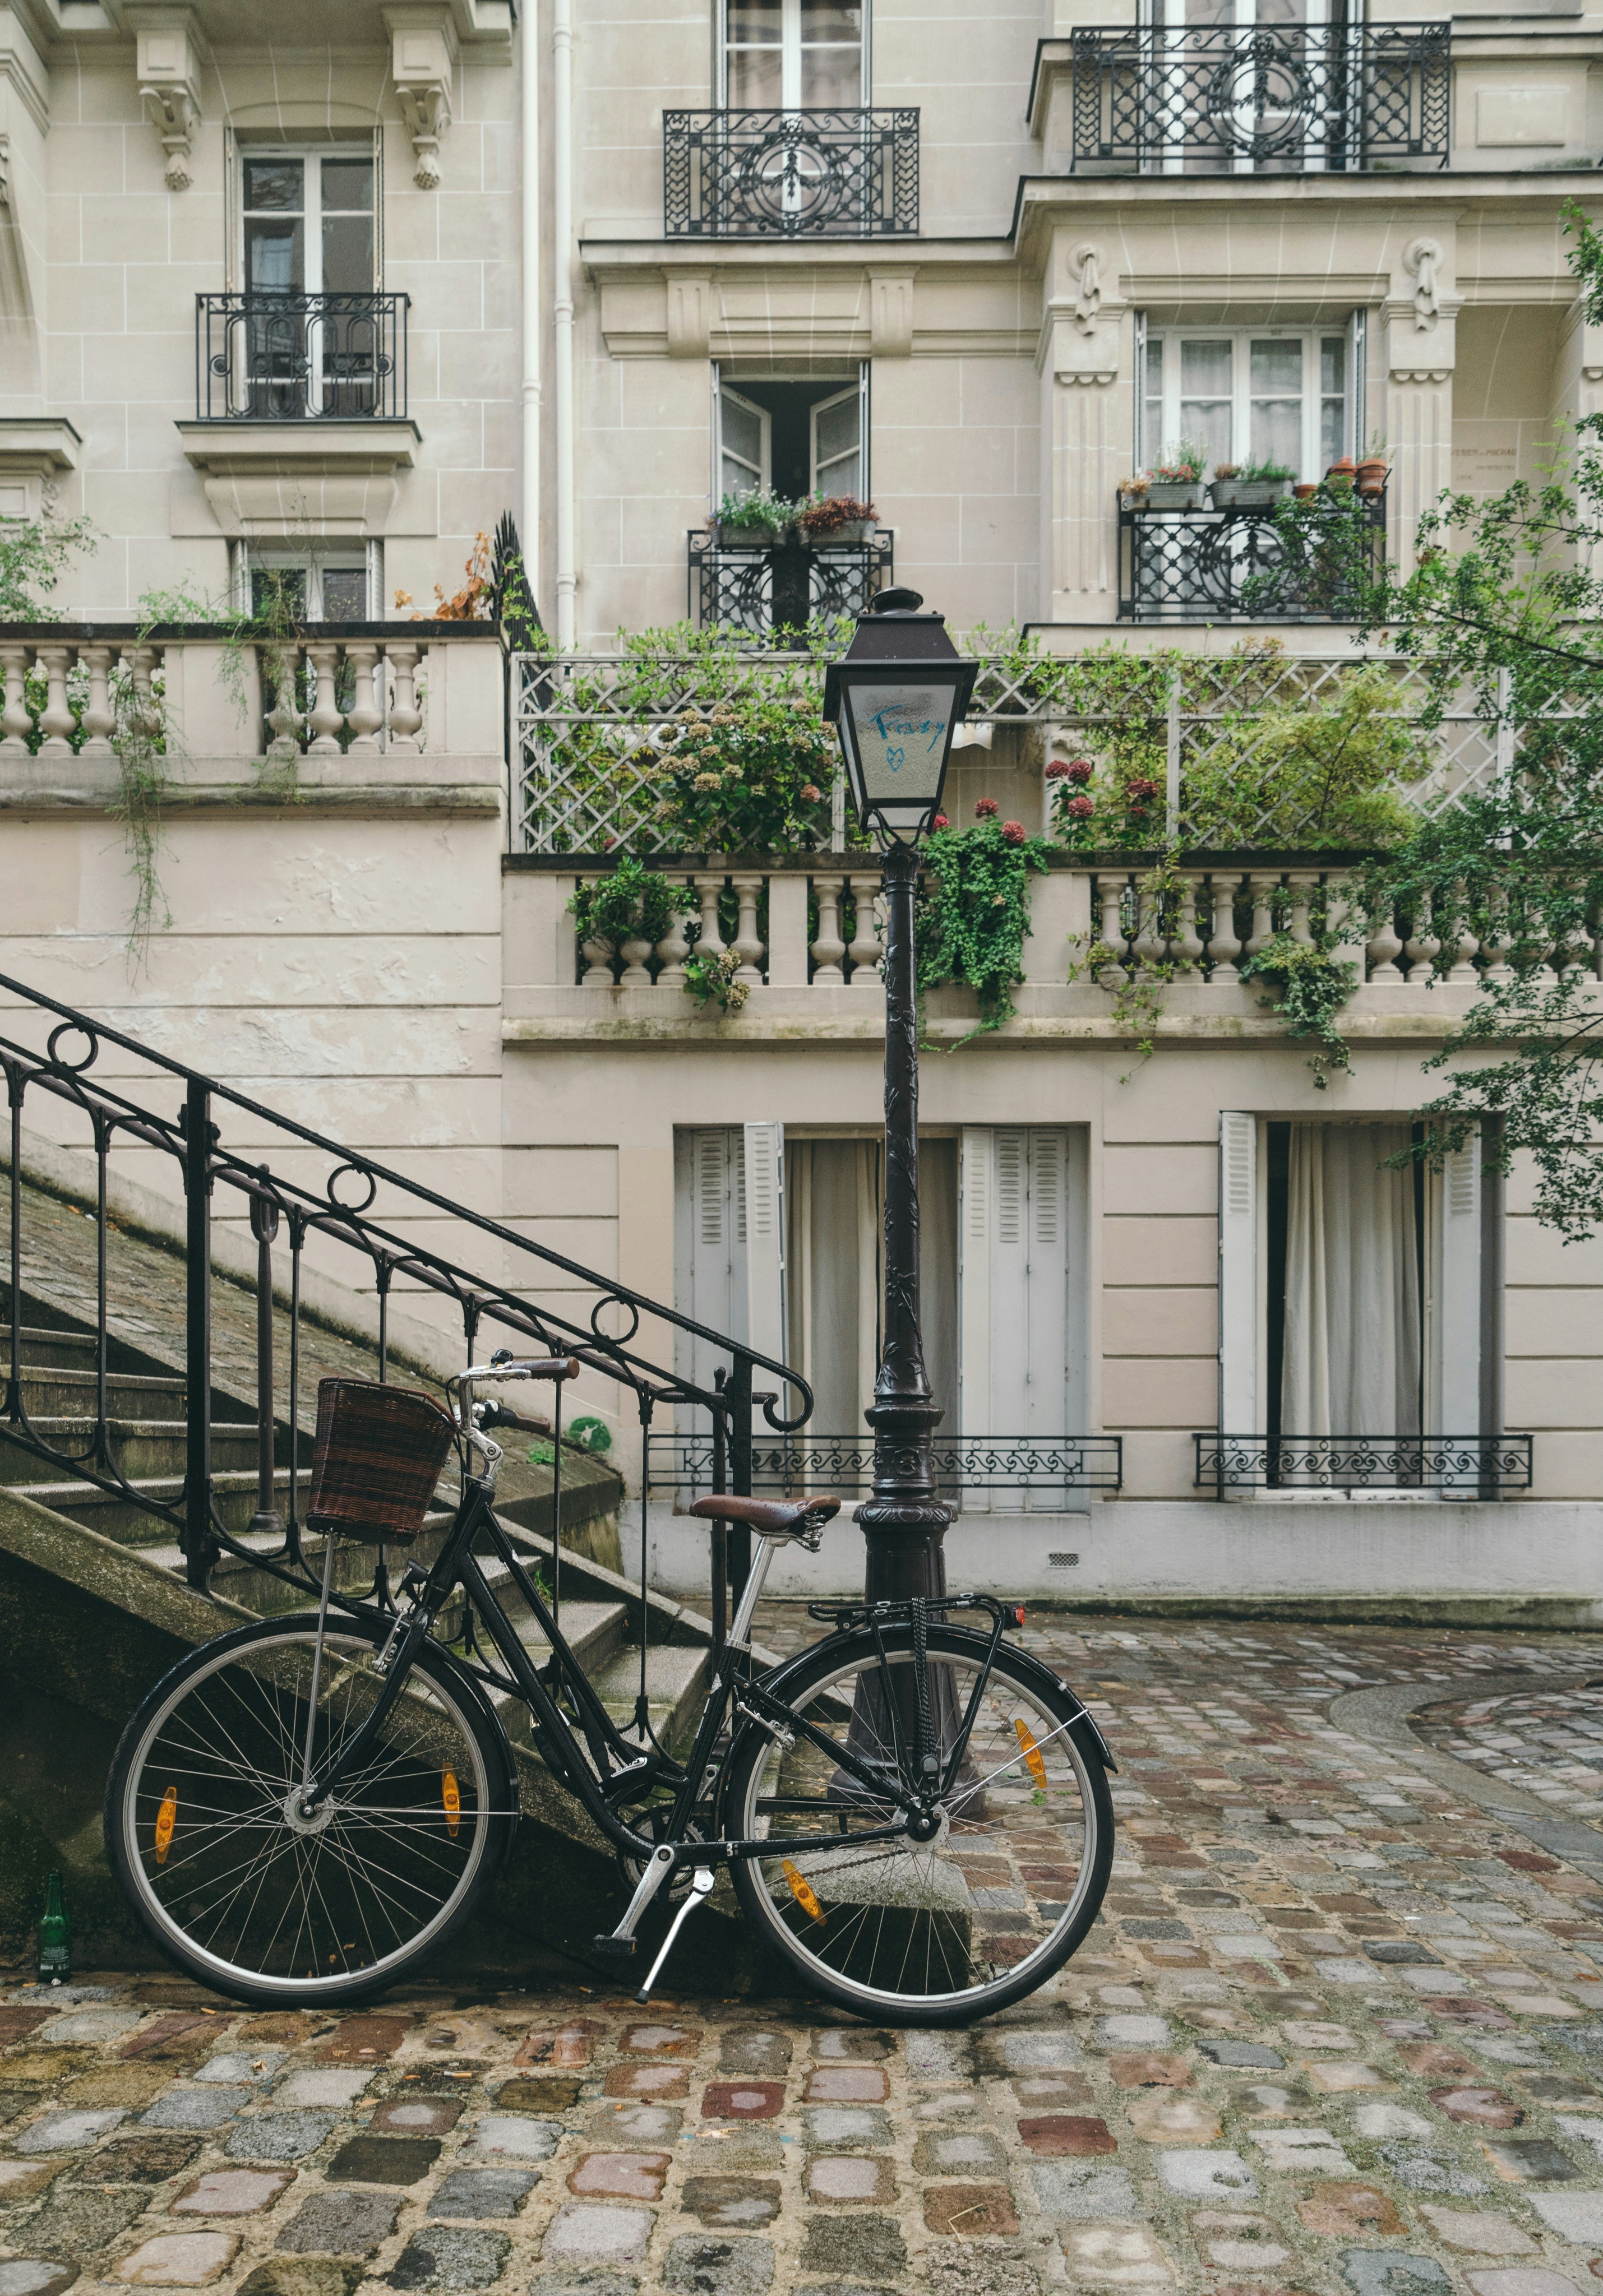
[(597, 957), (140, 663), (829, 948), (1423, 948), (1110, 898), (99, 717), (747, 943), (1223, 948), (1382, 950), (1146, 938), (56, 722), (865, 951), (1497, 940), (1463, 946), (1575, 952), (406, 718), (15, 723), (1263, 889), (284, 716), (674, 946), (1185, 942), (324, 717), (710, 940), (366, 715), (1302, 889)]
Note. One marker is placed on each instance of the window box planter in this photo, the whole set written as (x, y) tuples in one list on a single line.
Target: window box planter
[(727, 536), (1166, 494), (1249, 494), (855, 530)]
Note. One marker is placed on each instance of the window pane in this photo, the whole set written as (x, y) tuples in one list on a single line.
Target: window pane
[(755, 20), (835, 432), (1277, 431), (275, 256), (1276, 366), (830, 20), (1155, 368), (1333, 364), (348, 183), (831, 78), (270, 585), (1205, 369), (344, 594), (1207, 422), (754, 79), (278, 184), (742, 447), (347, 254), (1333, 430)]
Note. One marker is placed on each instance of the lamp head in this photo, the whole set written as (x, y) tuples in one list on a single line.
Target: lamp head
[(895, 698)]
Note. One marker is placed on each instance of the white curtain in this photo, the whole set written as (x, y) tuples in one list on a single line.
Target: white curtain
[(1351, 1352)]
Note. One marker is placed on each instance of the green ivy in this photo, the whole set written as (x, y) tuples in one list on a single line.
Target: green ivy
[(632, 903), (1311, 984), (976, 913)]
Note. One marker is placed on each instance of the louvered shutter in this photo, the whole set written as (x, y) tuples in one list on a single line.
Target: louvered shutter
[(1457, 1305), (1016, 1372), (709, 1247), (1239, 1407), (974, 1293), (762, 1159)]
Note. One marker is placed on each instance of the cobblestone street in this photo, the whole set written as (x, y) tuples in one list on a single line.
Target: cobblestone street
[(1341, 2033)]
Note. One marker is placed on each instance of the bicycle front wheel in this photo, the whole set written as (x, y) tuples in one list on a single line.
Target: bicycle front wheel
[(938, 1932), (204, 1832)]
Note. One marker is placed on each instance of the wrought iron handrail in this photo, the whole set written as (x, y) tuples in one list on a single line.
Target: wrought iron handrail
[(1295, 98), (1234, 565), (770, 588), (339, 1215), (1468, 1466), (847, 173), (962, 1462), (281, 357)]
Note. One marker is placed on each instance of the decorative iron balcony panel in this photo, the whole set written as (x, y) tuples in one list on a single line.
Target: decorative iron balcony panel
[(1233, 566), (1461, 1466), (769, 590), (293, 358), (1035, 1469), (1283, 98), (790, 175)]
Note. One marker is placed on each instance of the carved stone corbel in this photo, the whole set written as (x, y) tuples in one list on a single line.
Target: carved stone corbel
[(423, 56), (168, 58), (4, 171), (1086, 262), (1421, 258)]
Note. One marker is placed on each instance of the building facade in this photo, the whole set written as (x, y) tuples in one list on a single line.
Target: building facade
[(325, 297)]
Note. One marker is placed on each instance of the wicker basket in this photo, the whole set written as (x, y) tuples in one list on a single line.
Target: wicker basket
[(379, 1454)]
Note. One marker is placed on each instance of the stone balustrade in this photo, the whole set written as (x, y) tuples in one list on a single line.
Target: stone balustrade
[(839, 915)]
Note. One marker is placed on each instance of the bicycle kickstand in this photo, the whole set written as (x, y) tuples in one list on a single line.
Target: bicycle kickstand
[(701, 1889)]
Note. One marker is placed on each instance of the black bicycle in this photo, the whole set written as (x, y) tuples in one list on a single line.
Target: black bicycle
[(914, 1813)]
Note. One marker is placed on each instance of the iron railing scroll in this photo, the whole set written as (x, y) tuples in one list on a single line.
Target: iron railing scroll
[(1292, 99), (845, 174), (294, 358), (1038, 1470), (1235, 565), (115, 1104), (771, 589), (1456, 1466)]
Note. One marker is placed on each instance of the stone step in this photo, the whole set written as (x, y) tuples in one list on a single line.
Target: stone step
[(51, 1348), (143, 1449), (678, 1676), (67, 1393), (129, 1524), (594, 1631)]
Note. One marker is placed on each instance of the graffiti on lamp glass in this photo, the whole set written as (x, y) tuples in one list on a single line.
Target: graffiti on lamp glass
[(896, 730)]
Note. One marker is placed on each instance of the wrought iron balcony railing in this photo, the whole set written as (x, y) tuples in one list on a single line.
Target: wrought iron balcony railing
[(1031, 1473), (852, 174), (769, 590), (1234, 566), (291, 358), (1457, 1466), (1289, 98)]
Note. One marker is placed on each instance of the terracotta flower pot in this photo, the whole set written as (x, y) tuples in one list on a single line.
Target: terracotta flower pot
[(1304, 492), (1372, 474)]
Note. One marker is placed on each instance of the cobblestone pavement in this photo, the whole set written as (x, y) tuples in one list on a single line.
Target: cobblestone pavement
[(1550, 1743), (1340, 2033)]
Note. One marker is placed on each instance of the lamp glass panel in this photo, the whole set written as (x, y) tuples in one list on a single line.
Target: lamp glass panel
[(901, 734)]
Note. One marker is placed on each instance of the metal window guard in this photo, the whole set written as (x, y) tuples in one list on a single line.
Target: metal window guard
[(1233, 566), (1034, 1465), (768, 589), (846, 174), (1464, 1466), (1288, 98), (291, 358)]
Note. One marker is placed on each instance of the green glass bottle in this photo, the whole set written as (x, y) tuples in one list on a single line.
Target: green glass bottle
[(55, 1937)]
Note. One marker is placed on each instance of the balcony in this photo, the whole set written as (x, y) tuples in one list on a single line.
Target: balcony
[(790, 175), (298, 358), (1234, 566), (1282, 99), (768, 591), (1455, 1466)]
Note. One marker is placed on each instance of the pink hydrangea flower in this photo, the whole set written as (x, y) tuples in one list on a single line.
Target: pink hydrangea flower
[(1081, 771), (809, 793), (1056, 769), (987, 809), (1080, 808), (1013, 833), (942, 821)]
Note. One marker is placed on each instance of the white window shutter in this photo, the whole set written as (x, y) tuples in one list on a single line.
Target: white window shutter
[(1457, 1301), (762, 1162), (1240, 1407), (973, 1293), (1047, 1299), (709, 1255)]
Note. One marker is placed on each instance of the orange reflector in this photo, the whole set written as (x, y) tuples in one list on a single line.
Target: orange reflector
[(801, 1890), (1033, 1761), (166, 1817), (451, 1793)]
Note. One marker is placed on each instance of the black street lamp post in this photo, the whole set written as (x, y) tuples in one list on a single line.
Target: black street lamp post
[(896, 698)]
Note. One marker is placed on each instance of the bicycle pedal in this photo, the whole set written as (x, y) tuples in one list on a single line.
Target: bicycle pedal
[(614, 1948)]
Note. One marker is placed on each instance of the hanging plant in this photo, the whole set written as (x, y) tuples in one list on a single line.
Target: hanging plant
[(1311, 984), (975, 911), (709, 979), (633, 903)]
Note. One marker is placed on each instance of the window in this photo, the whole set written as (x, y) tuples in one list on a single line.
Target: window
[(1276, 395), (800, 437), (334, 586), (792, 55), (308, 223)]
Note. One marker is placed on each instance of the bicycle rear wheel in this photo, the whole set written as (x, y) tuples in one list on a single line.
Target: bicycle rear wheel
[(940, 1933), (204, 1833)]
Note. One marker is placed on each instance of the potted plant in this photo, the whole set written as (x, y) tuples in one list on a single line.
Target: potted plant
[(1304, 491), (1341, 477), (1132, 493), (831, 519), (1250, 486), (1374, 470), (759, 521), (1176, 482)]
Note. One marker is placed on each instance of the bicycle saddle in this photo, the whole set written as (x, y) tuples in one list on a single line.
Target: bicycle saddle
[(772, 1517)]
